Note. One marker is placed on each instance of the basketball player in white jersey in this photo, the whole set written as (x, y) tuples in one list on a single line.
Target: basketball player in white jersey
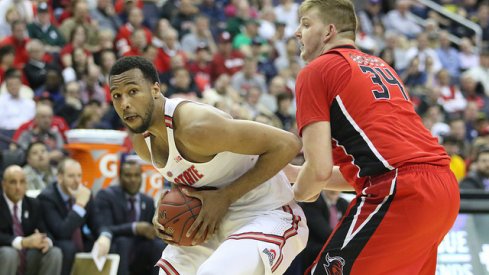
[(254, 224)]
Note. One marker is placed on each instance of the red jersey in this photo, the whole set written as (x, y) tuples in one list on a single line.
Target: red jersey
[(374, 127)]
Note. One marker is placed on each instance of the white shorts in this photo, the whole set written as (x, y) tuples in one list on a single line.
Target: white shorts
[(247, 243)]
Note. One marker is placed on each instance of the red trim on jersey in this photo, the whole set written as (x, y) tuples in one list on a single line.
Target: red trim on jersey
[(167, 267), (169, 121), (274, 239)]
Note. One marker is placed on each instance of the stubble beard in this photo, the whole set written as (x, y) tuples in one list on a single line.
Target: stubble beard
[(146, 121)]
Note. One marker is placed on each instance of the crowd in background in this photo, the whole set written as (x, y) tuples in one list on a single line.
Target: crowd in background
[(240, 56)]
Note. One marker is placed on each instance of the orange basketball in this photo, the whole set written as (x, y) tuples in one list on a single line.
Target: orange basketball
[(177, 212)]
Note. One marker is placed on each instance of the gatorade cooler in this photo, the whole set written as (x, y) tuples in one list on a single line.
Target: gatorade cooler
[(98, 151)]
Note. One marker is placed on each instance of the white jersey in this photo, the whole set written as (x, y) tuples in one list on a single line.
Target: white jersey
[(222, 170)]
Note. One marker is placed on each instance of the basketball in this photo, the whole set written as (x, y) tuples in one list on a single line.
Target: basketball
[(177, 212)]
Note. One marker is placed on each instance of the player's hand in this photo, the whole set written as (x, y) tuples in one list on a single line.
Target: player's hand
[(160, 229), (214, 206)]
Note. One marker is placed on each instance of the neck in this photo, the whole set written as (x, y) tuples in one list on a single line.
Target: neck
[(338, 42), (157, 127)]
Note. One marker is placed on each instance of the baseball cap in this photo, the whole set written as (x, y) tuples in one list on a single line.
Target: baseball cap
[(42, 7), (225, 37), (374, 1)]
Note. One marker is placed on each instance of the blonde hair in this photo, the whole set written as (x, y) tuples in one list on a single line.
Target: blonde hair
[(340, 13)]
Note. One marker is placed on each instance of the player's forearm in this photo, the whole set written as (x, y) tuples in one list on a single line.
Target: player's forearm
[(337, 182), (310, 181), (267, 166)]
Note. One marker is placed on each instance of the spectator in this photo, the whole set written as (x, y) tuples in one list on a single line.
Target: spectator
[(78, 39), (11, 15), (138, 43), (249, 77), (67, 206), (18, 40), (122, 40), (81, 18), (448, 56), (480, 73), (201, 68), (401, 20), (38, 170), (35, 70), (47, 33), (183, 20), (106, 17), (287, 11), (24, 244), (15, 109), (227, 60), (267, 27), (467, 57), (250, 32), (284, 103), (71, 107), (478, 178), (370, 16), (201, 34), (428, 58), (167, 50), (45, 133), (182, 85), (7, 56), (450, 97), (128, 214)]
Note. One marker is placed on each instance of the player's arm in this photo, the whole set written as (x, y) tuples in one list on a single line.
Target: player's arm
[(214, 134), (317, 172), (210, 133)]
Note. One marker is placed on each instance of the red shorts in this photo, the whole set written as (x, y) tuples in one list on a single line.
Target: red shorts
[(395, 225)]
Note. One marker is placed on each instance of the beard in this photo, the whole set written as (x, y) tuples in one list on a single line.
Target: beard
[(146, 121)]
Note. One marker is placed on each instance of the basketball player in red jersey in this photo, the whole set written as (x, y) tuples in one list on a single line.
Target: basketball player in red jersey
[(360, 132)]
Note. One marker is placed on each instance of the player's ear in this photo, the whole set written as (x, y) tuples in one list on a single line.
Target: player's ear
[(329, 34), (155, 90)]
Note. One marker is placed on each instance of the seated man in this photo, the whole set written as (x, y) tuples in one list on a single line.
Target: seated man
[(23, 248), (67, 207), (38, 171), (127, 213)]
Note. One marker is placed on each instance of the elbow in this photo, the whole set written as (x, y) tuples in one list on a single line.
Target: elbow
[(292, 144)]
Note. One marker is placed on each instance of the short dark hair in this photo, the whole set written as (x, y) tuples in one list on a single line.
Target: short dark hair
[(128, 162), (5, 50), (31, 145), (127, 63), (12, 73)]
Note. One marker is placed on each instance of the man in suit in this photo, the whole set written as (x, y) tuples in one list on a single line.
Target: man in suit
[(67, 207), (128, 214), (23, 248), (322, 216)]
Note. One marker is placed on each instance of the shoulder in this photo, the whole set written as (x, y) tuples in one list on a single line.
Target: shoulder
[(195, 119)]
